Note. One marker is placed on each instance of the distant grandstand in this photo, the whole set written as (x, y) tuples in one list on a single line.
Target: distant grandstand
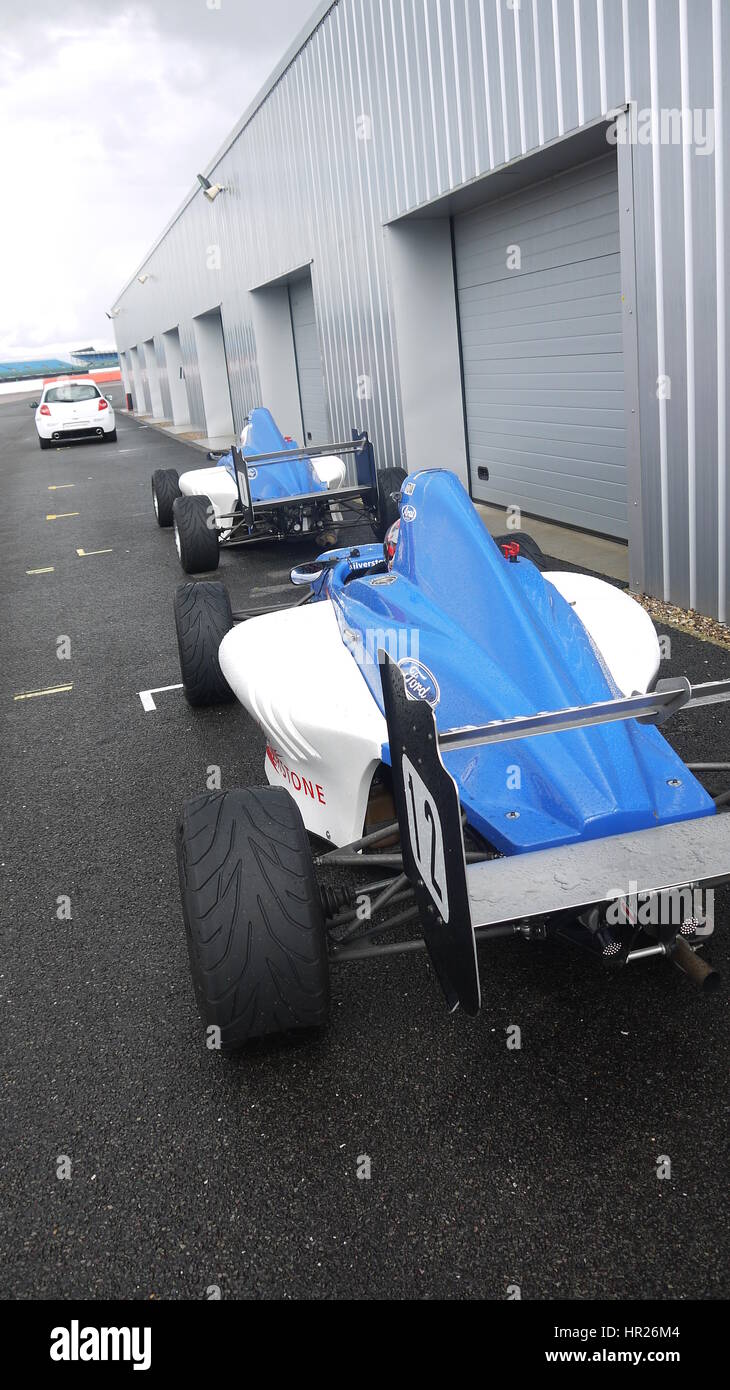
[(78, 362), (91, 357), (37, 367)]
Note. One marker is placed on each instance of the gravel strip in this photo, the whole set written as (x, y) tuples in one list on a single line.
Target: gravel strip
[(706, 629)]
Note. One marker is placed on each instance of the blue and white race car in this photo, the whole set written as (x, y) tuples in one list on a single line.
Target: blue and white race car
[(270, 489), (470, 740)]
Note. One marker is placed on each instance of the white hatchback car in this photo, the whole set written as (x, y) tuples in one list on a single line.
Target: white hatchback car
[(71, 409)]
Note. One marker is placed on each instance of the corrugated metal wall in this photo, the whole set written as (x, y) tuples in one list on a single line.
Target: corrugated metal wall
[(391, 103)]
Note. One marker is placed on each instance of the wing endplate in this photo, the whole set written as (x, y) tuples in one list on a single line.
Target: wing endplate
[(429, 816)]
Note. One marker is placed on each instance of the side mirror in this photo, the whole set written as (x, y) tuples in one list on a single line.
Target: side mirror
[(34, 405), (108, 398), (308, 574)]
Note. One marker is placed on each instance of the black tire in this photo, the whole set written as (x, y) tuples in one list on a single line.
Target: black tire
[(202, 618), (528, 547), (44, 443), (253, 916), (165, 492), (195, 538), (390, 483), (111, 437)]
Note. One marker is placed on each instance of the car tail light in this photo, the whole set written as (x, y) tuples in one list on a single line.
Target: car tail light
[(45, 410), (103, 405)]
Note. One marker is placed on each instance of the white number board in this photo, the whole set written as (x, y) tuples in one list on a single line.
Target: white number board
[(426, 836)]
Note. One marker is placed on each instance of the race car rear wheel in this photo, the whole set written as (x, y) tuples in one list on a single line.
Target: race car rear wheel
[(165, 491), (390, 482), (196, 537), (253, 917), (202, 618)]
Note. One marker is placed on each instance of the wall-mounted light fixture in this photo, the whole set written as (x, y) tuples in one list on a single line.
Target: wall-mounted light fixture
[(210, 190)]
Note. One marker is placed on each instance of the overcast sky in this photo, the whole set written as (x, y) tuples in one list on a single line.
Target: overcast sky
[(107, 112)]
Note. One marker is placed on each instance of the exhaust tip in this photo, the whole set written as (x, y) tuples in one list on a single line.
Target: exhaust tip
[(712, 980), (695, 968)]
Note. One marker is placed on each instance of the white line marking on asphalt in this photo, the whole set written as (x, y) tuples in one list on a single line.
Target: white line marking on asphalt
[(48, 570), (85, 553), (145, 696)]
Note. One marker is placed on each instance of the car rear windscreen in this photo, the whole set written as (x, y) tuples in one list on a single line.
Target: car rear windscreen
[(66, 395)]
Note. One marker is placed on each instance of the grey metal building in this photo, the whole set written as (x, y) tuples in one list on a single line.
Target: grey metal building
[(493, 233)]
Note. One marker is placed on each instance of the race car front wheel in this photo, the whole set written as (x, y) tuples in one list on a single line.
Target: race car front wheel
[(253, 917), (202, 618), (390, 482), (165, 492), (196, 537)]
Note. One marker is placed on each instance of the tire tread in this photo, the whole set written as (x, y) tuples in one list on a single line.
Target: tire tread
[(203, 616), (253, 918), (166, 484), (199, 546)]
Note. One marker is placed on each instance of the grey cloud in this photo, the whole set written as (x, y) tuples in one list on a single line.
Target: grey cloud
[(154, 87)]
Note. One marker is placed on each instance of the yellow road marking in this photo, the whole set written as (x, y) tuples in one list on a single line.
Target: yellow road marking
[(85, 553), (57, 516), (48, 570), (52, 690), (56, 487)]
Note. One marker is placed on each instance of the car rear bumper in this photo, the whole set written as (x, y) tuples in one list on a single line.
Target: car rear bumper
[(57, 433)]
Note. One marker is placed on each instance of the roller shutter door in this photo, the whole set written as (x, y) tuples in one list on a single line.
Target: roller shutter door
[(542, 349), (309, 363)]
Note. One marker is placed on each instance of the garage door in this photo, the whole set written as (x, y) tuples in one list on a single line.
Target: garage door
[(542, 349), (309, 362)]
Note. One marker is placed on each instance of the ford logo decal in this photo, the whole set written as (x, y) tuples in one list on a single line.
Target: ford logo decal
[(421, 684), (253, 473), (409, 513)]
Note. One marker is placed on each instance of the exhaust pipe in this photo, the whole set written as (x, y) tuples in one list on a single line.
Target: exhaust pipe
[(694, 966)]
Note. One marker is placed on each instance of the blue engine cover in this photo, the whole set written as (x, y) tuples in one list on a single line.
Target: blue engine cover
[(495, 640), (271, 480)]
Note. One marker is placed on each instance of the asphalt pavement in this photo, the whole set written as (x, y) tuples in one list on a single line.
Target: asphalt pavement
[(489, 1167)]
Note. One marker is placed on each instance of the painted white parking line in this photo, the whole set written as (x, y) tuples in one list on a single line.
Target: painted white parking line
[(146, 696), (48, 569), (85, 553)]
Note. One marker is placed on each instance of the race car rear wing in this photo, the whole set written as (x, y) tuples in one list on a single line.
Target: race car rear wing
[(456, 900), (359, 447)]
